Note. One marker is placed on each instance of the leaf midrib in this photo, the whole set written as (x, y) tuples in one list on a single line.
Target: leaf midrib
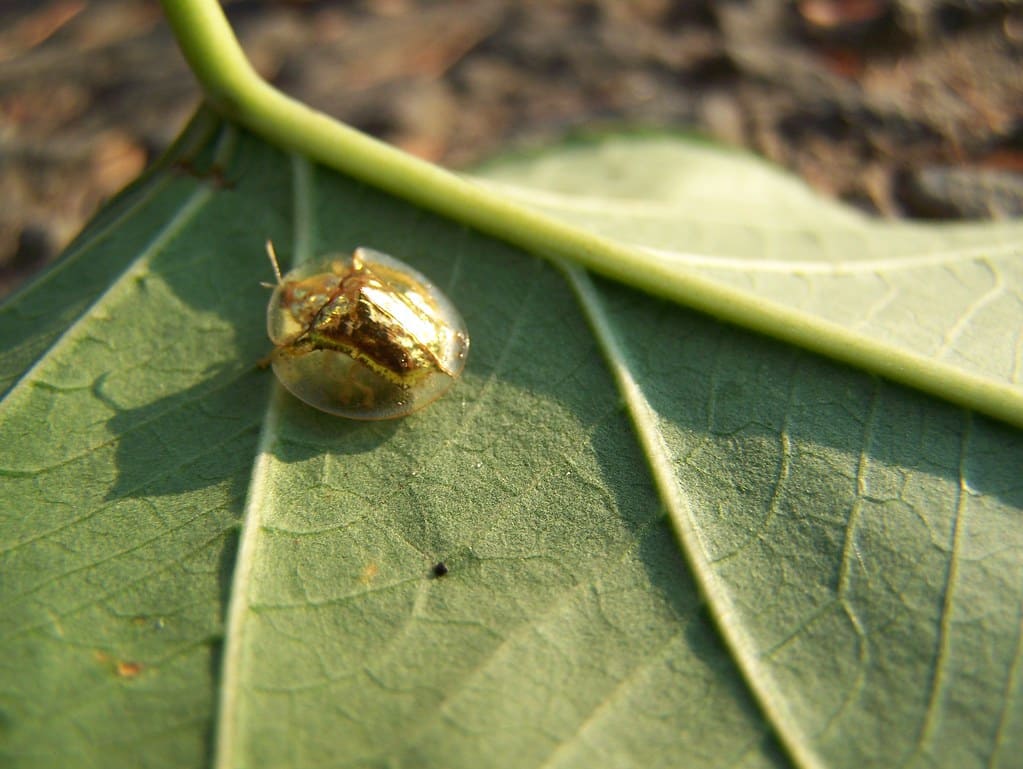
[(720, 606)]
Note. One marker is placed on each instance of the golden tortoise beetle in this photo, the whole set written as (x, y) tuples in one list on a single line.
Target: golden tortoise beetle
[(364, 336)]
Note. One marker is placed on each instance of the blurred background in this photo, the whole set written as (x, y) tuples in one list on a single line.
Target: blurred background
[(903, 108)]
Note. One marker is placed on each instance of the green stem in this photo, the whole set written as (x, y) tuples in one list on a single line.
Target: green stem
[(237, 91)]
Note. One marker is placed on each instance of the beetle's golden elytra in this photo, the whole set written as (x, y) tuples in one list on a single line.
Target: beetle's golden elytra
[(363, 337)]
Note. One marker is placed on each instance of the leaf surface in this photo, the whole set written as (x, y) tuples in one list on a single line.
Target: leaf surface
[(669, 542), (953, 292)]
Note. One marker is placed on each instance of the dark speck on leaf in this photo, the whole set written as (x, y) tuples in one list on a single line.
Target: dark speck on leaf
[(440, 569)]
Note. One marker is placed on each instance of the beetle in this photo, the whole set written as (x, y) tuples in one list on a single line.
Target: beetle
[(363, 336)]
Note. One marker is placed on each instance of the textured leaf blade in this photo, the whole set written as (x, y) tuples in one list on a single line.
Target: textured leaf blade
[(858, 543), (569, 628), (827, 516)]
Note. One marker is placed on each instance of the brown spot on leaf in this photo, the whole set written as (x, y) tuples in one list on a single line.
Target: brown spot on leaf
[(369, 573), (129, 669)]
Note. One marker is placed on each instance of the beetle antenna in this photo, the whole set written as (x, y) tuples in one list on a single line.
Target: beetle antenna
[(274, 263)]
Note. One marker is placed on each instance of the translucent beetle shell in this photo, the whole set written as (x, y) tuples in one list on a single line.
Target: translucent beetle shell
[(364, 336)]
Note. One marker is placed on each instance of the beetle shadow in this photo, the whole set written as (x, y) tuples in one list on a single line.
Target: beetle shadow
[(209, 432), (304, 432), (190, 439)]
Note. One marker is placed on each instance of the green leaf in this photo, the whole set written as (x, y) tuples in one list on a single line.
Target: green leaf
[(670, 542), (948, 292)]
